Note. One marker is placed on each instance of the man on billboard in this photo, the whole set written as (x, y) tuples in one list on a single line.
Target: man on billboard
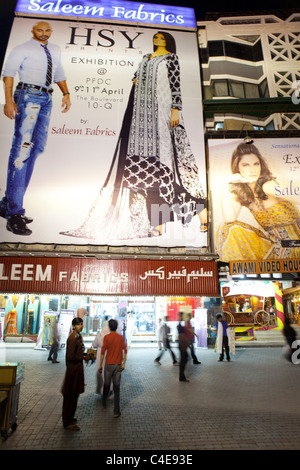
[(38, 64)]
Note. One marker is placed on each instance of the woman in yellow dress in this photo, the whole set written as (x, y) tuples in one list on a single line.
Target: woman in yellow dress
[(252, 186)]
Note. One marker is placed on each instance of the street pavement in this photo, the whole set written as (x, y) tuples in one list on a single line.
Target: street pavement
[(250, 403)]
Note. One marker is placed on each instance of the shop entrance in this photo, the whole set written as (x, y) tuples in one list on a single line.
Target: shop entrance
[(136, 292), (139, 311), (30, 317)]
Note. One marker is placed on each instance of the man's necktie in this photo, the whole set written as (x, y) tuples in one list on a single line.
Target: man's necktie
[(49, 65)]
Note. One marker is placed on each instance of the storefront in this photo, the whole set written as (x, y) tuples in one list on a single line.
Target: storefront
[(251, 306), (34, 292), (291, 300)]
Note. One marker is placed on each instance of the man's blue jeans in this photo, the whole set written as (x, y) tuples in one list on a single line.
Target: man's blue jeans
[(29, 140)]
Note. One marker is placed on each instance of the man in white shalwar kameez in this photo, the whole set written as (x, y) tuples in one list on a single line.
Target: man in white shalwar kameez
[(222, 338), (130, 327)]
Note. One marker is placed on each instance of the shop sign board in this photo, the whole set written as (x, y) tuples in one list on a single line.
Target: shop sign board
[(265, 267), (109, 173), (255, 194), (123, 277), (112, 11)]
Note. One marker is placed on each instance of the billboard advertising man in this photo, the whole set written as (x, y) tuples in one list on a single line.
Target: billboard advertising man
[(38, 64)]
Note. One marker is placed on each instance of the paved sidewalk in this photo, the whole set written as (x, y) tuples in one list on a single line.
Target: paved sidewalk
[(250, 403)]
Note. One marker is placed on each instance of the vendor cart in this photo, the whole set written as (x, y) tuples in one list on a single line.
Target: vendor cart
[(11, 376)]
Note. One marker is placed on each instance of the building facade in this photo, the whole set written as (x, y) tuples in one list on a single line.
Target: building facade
[(250, 89), (252, 58)]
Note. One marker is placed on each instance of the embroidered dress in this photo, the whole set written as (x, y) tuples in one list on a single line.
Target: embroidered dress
[(153, 164), (241, 241), (10, 323)]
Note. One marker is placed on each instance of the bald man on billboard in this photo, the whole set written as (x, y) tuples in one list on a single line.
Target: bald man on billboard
[(38, 64)]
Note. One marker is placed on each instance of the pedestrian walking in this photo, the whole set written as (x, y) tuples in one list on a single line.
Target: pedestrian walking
[(54, 347), (190, 334), (183, 344), (222, 338), (98, 343), (73, 384), (124, 330), (166, 345), (290, 336), (130, 324), (159, 333), (115, 351)]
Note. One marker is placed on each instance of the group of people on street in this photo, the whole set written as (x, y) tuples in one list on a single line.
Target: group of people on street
[(186, 336), (111, 359), (113, 352)]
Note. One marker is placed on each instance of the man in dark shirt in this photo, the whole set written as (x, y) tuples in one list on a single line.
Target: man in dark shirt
[(73, 384), (191, 337), (183, 345)]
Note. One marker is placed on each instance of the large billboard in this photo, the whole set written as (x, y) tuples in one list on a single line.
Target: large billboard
[(255, 194), (125, 165)]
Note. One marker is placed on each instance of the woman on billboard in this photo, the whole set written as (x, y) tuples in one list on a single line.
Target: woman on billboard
[(153, 173), (252, 186)]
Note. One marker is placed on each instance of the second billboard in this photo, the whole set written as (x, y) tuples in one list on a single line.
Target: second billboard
[(255, 192)]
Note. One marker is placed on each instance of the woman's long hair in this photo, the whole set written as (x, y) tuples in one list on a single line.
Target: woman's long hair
[(243, 192), (170, 42)]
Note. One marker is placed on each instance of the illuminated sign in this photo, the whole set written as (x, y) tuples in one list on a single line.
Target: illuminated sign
[(117, 11), (265, 266), (92, 276)]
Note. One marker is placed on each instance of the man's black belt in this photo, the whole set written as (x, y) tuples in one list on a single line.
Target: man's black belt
[(22, 85)]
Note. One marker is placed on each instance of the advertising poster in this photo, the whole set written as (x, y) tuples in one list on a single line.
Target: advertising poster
[(65, 326), (255, 193), (13, 319), (120, 167), (45, 335), (47, 326), (2, 315)]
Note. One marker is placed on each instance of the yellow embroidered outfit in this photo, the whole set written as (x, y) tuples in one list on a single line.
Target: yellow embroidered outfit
[(241, 241)]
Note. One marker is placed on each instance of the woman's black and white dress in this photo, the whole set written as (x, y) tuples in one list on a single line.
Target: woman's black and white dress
[(153, 173)]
